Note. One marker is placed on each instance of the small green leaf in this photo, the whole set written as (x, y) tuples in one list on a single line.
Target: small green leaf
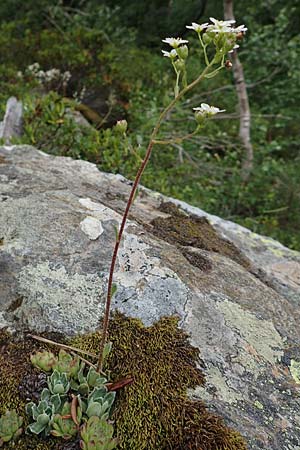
[(107, 349), (114, 289)]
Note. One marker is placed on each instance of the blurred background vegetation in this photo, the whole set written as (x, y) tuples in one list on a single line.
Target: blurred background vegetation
[(107, 56)]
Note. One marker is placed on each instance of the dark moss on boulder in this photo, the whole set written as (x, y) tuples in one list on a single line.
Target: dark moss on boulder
[(185, 230)]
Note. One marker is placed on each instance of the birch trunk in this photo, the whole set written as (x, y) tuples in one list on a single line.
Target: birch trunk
[(244, 108)]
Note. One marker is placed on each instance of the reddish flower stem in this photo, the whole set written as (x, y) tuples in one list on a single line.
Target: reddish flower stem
[(128, 206), (115, 253)]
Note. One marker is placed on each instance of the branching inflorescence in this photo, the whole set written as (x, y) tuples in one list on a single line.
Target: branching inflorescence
[(221, 37)]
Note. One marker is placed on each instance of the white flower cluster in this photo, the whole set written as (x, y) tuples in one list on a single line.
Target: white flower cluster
[(49, 76), (218, 26), (223, 36), (214, 31), (179, 50)]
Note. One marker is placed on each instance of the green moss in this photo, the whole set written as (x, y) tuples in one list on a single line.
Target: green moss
[(183, 230), (152, 413), (155, 412)]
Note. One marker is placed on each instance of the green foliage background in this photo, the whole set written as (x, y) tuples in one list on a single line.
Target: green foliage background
[(112, 50)]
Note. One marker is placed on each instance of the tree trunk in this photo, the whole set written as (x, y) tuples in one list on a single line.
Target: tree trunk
[(244, 109)]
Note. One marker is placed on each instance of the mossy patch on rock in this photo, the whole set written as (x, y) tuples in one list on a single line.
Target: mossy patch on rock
[(155, 412), (197, 260), (183, 230)]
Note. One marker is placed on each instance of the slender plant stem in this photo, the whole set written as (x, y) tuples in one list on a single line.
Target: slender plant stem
[(129, 203), (204, 49), (58, 344)]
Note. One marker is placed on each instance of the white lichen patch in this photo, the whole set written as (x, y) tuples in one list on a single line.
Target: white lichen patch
[(147, 288), (259, 340), (59, 301), (92, 227), (103, 213), (136, 265), (100, 211)]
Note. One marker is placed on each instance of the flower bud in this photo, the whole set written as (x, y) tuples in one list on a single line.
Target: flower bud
[(208, 37), (199, 117), (220, 41), (229, 42), (183, 51), (121, 126), (179, 65)]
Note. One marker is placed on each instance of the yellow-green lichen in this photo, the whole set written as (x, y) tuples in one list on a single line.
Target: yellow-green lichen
[(155, 412), (259, 334), (258, 405), (295, 370)]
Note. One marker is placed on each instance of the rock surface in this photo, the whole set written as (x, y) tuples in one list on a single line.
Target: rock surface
[(12, 124), (236, 293)]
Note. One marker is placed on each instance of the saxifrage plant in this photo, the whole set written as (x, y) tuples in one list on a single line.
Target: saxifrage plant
[(216, 39)]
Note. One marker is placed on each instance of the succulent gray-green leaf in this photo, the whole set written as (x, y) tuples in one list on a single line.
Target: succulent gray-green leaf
[(29, 408), (64, 427), (43, 413), (94, 379), (45, 395), (37, 428), (94, 409), (84, 384), (43, 419), (83, 389), (100, 402), (58, 383)]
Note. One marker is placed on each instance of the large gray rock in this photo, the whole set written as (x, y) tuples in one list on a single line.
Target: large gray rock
[(12, 124), (236, 293)]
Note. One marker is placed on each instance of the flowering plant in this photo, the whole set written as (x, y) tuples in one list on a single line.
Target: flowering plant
[(222, 36)]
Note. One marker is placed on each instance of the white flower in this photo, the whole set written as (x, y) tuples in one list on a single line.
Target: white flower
[(175, 42), (240, 29), (34, 67), (197, 27), (172, 54), (234, 48), (66, 76), (225, 26), (206, 110), (221, 26)]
